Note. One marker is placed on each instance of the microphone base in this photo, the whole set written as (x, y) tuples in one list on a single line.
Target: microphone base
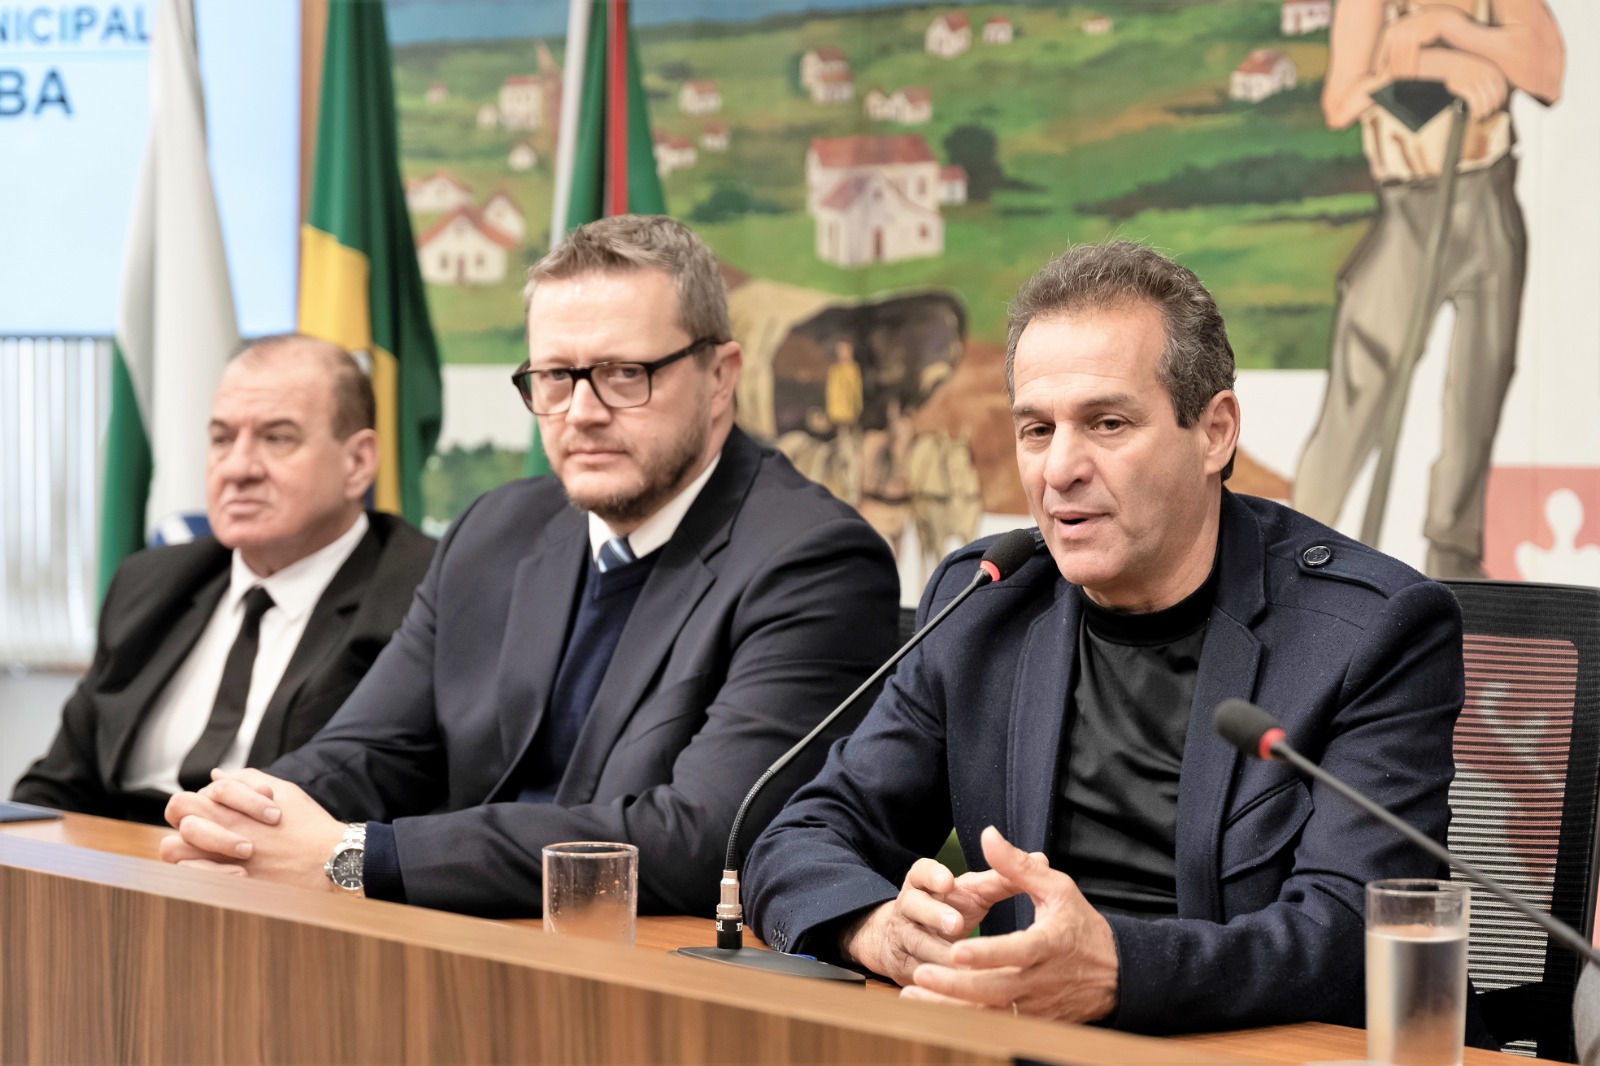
[(775, 962)]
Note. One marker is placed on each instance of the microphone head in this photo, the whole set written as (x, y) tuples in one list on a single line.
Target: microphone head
[(1247, 727), (1007, 554)]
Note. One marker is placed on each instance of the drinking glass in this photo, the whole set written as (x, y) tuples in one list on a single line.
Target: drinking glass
[(1416, 972), (591, 889)]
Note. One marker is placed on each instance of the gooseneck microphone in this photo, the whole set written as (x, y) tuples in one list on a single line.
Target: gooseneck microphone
[(1257, 734), (1003, 559)]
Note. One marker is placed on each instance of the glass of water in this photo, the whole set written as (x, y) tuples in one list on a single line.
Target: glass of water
[(1416, 972), (591, 889)]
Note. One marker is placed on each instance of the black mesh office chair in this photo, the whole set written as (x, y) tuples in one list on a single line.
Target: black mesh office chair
[(1527, 750), (908, 623)]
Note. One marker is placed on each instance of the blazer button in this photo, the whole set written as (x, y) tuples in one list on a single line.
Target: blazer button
[(1317, 555)]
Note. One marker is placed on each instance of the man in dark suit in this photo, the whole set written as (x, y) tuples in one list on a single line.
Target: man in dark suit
[(235, 648), (1129, 866), (614, 653)]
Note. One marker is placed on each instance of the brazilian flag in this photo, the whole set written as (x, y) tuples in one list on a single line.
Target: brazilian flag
[(360, 285)]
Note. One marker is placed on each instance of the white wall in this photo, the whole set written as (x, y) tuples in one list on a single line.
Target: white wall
[(1550, 415), (30, 711)]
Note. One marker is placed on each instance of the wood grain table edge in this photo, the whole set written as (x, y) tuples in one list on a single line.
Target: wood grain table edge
[(516, 944), (124, 855)]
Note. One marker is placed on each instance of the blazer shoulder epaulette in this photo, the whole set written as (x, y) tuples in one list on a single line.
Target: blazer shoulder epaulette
[(1305, 550)]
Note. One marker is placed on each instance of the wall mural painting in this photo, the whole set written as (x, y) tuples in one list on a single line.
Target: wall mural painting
[(1464, 243), (877, 181)]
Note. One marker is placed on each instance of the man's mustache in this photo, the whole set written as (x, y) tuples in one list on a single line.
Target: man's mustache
[(572, 443)]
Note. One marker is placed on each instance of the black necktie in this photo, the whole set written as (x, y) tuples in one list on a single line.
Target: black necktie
[(228, 711)]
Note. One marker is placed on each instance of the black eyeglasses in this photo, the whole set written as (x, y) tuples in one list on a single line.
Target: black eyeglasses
[(549, 391)]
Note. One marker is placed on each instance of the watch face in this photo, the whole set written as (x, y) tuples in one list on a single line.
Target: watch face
[(347, 868)]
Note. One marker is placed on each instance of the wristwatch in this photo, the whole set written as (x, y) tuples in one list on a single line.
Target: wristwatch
[(346, 867)]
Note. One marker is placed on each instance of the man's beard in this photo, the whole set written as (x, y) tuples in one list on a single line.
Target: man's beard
[(664, 474)]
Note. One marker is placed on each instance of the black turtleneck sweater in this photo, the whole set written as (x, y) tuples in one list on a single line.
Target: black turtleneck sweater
[(1116, 797)]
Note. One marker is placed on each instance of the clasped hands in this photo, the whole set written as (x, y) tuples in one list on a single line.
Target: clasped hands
[(1430, 29), (1063, 966), (248, 823)]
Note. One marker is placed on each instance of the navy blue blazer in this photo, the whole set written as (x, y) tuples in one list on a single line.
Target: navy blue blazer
[(1358, 655), (768, 605)]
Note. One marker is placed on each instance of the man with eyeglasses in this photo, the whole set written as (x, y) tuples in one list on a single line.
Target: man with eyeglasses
[(613, 653)]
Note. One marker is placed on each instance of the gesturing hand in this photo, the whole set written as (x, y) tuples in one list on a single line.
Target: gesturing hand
[(1062, 966), (934, 909)]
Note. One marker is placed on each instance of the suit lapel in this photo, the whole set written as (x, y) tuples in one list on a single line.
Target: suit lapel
[(1230, 660), (123, 712), (1039, 701), (323, 637), (543, 598), (675, 587)]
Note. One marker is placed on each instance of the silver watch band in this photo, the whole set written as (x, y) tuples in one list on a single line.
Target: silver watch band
[(345, 871), (355, 833)]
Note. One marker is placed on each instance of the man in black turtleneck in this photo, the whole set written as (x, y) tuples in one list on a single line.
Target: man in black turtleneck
[(1127, 865), (1129, 713)]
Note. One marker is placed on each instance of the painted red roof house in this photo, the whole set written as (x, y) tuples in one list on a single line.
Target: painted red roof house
[(912, 106), (522, 101), (948, 35), (714, 137), (1305, 16), (673, 153), (439, 191), (463, 248), (1265, 72), (699, 97), (953, 185), (833, 87), (874, 199)]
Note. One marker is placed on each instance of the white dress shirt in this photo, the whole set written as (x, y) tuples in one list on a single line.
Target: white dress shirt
[(656, 530), (181, 712)]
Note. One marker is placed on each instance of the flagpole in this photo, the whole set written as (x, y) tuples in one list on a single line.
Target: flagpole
[(571, 100), (617, 107)]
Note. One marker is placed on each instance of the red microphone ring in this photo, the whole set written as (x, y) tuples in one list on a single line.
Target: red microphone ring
[(989, 568), (1268, 739)]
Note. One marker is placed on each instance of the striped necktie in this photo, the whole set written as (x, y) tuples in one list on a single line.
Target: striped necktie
[(614, 553)]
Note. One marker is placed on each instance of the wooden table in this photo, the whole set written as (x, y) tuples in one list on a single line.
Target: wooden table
[(109, 956)]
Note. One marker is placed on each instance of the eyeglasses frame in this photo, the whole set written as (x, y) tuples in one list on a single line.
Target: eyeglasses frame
[(586, 373)]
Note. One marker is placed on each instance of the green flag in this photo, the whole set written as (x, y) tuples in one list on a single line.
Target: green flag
[(360, 285), (605, 156)]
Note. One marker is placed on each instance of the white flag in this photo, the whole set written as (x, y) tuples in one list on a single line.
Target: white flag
[(176, 325)]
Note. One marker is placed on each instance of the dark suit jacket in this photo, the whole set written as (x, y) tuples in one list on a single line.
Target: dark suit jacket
[(1357, 654), (768, 605), (157, 606)]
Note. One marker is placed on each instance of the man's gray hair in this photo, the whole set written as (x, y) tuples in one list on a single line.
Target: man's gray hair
[(355, 407), (624, 243), (1197, 361)]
